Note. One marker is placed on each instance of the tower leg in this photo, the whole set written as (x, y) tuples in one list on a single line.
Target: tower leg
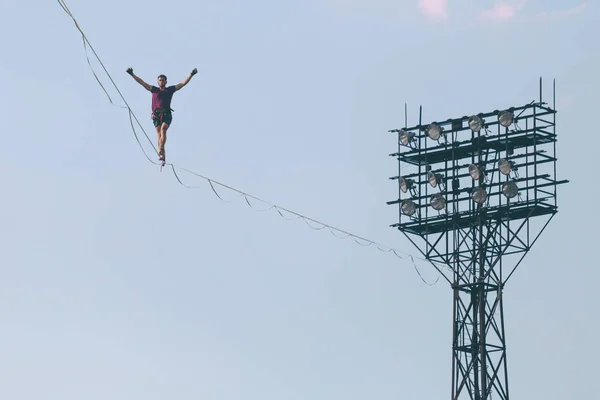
[(479, 369)]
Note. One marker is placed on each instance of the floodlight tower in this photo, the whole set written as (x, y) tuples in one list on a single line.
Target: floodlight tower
[(475, 193)]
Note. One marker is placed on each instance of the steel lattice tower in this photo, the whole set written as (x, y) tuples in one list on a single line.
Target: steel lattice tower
[(475, 193)]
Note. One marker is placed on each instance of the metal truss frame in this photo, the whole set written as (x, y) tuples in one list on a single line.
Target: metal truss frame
[(477, 245)]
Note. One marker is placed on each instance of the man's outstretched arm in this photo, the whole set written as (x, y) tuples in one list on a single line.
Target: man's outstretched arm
[(139, 80), (186, 80)]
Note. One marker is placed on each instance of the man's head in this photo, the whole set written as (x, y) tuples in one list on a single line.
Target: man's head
[(162, 81)]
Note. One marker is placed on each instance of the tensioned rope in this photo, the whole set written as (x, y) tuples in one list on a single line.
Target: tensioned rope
[(212, 182)]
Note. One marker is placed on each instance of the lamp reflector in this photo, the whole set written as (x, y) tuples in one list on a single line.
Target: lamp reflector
[(505, 118), (406, 137), (479, 195), (505, 166), (434, 131), (409, 207), (474, 171), (433, 178), (510, 190), (405, 184), (438, 202), (475, 123)]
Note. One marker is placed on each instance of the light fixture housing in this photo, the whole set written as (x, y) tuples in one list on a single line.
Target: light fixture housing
[(434, 131), (479, 195), (409, 207), (476, 123), (405, 184), (438, 202), (406, 137), (475, 172), (506, 118), (505, 166), (434, 179), (510, 189)]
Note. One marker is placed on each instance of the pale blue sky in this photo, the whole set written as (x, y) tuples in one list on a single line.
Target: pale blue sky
[(117, 283)]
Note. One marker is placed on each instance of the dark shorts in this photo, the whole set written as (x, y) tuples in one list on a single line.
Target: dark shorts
[(159, 117)]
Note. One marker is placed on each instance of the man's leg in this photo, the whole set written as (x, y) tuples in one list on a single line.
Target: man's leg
[(162, 139), (158, 134)]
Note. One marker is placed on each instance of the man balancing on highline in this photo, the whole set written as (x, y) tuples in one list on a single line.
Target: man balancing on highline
[(161, 105)]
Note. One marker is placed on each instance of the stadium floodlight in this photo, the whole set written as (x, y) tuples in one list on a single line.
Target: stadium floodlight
[(434, 179), (434, 131), (510, 189), (406, 137), (438, 202), (406, 184), (476, 123), (409, 207), (479, 195), (505, 166), (505, 118), (479, 234), (475, 172)]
